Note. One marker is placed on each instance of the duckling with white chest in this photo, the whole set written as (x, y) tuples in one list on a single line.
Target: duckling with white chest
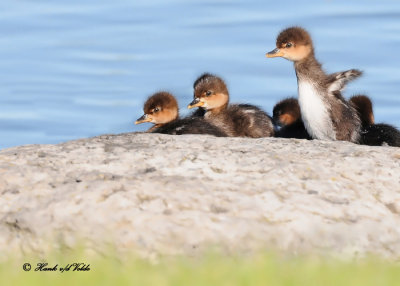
[(325, 113), (242, 120), (161, 109)]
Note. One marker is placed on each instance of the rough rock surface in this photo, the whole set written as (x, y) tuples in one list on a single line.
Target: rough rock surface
[(167, 194)]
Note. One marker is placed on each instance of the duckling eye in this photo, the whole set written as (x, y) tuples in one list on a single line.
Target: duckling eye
[(208, 93), (156, 109), (288, 45)]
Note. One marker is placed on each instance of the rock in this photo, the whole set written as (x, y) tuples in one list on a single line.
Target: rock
[(161, 194)]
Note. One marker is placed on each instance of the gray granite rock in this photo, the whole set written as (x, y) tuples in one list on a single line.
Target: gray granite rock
[(161, 194)]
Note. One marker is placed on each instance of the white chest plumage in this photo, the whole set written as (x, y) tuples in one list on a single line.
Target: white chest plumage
[(314, 112)]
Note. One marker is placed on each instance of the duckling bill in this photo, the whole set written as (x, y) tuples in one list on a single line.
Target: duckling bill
[(162, 110), (243, 120), (325, 113)]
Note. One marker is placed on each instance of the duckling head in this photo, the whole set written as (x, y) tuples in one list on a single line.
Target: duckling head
[(293, 44), (160, 108), (210, 92), (286, 111), (363, 105)]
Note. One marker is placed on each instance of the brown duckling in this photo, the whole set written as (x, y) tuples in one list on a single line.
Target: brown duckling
[(287, 115), (325, 113), (162, 109), (243, 120), (374, 134)]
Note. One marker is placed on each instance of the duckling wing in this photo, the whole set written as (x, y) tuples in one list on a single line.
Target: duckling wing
[(337, 81)]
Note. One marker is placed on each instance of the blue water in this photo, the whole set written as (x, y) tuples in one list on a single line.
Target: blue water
[(73, 69)]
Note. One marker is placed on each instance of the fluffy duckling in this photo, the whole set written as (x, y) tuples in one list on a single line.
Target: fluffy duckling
[(243, 120), (325, 113), (286, 114), (162, 109), (374, 134)]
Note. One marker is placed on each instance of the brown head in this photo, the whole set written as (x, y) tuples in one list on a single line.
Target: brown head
[(210, 93), (363, 105), (286, 111), (160, 108), (294, 44)]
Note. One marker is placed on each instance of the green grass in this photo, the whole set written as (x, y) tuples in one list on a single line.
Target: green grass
[(212, 269)]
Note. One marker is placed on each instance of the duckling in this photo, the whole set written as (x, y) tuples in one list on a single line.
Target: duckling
[(243, 120), (286, 114), (374, 134), (162, 109), (325, 113)]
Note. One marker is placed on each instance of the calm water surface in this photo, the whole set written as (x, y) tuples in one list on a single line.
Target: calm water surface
[(72, 69)]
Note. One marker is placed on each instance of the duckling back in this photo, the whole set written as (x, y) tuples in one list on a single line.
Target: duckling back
[(243, 120), (326, 115), (190, 125), (259, 122), (380, 134)]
